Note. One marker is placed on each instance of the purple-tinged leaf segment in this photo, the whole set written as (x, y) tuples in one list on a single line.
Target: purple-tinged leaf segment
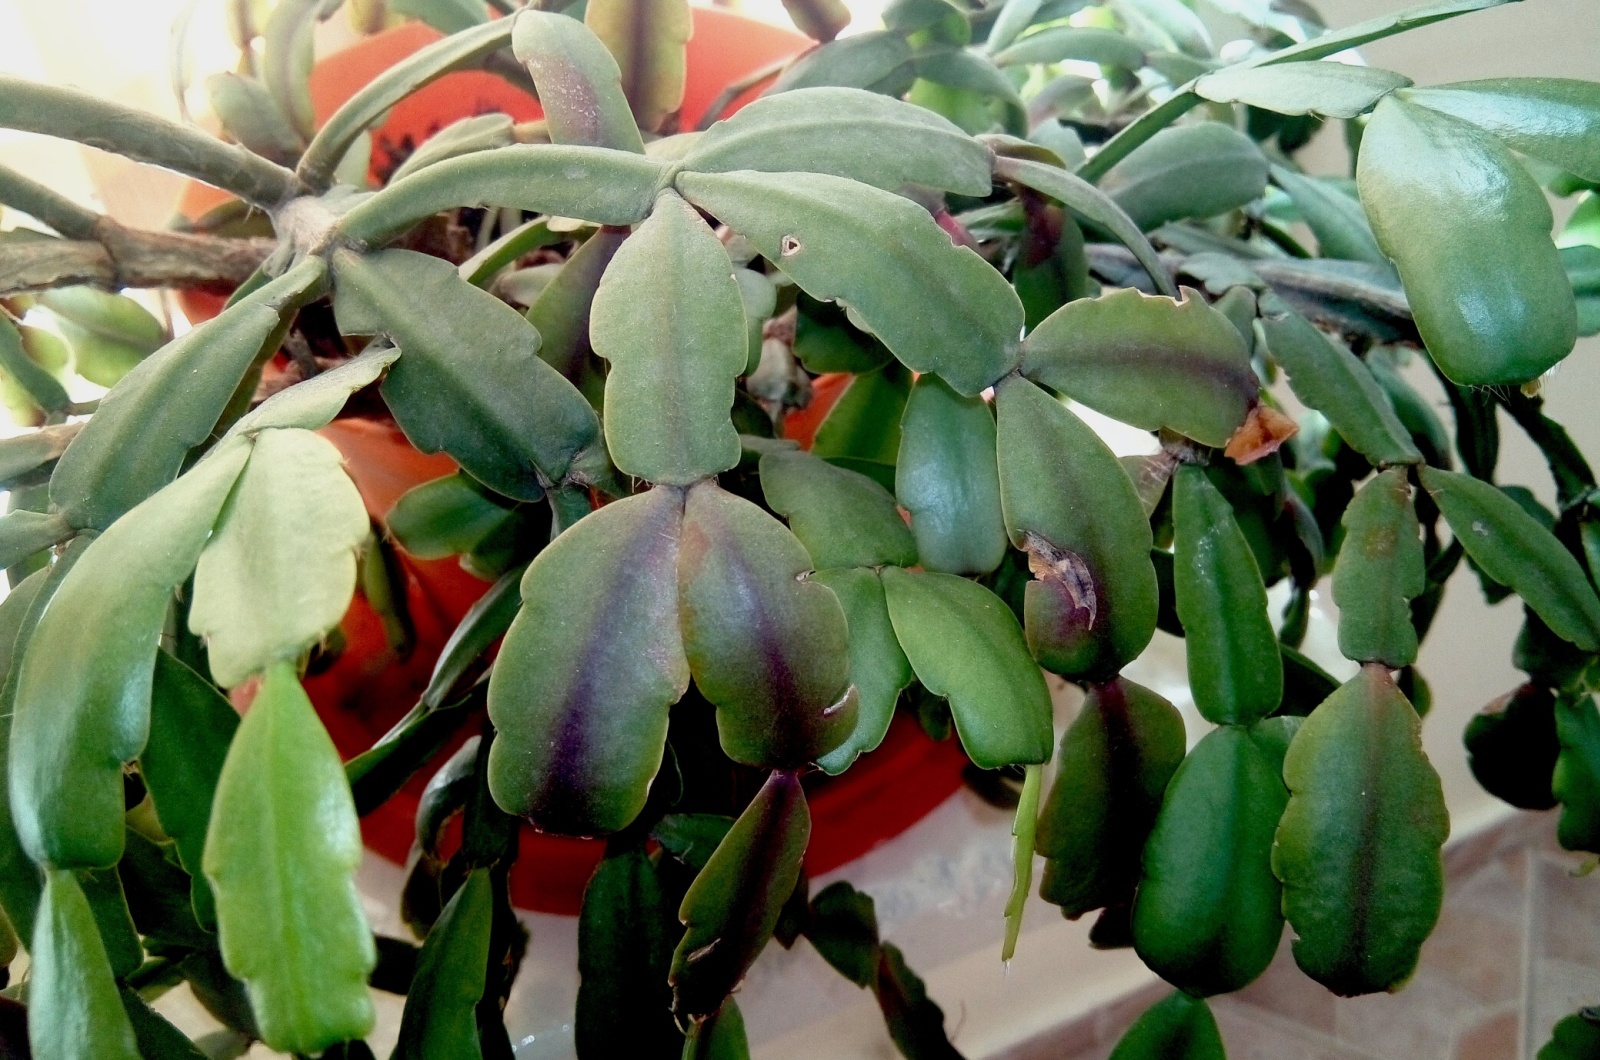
[(1358, 847), (579, 83), (879, 669), (1115, 762), (734, 903), (1091, 607), (581, 688), (768, 646)]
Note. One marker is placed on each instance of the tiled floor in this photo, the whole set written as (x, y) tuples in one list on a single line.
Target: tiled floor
[(1516, 949)]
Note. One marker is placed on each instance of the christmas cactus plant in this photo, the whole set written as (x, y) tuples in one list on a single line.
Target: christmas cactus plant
[(978, 214)]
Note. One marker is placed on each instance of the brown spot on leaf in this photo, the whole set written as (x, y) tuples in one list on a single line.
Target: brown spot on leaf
[(1260, 435), (1065, 569)]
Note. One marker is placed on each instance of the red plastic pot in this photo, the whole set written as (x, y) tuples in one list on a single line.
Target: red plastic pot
[(368, 687)]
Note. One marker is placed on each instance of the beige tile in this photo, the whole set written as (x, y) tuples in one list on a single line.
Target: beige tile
[(1286, 991), (1493, 1038), (1566, 912), (1557, 989), (1479, 951), (1418, 1023), (1251, 1034)]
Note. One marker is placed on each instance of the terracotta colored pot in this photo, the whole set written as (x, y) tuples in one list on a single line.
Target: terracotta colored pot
[(367, 687)]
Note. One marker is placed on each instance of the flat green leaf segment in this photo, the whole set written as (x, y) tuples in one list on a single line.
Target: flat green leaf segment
[(1116, 759), (1330, 89), (948, 479), (262, 595), (280, 855), (367, 106), (20, 879), (440, 1018), (733, 905), (647, 37), (1198, 170), (1511, 546), (1206, 918), (579, 83), (847, 132), (561, 312), (74, 1009), (580, 690), (1091, 606), (1358, 847), (1327, 377), (469, 381), (1179, 1027), (313, 404), (1380, 570), (1057, 44), (626, 934), (596, 184), (1235, 671), (83, 689), (1148, 361), (1553, 119), (964, 644), (448, 516), (1483, 326), (937, 306), (170, 402), (1088, 202), (769, 647), (191, 726), (1335, 218), (878, 666), (842, 517), (1575, 782), (669, 317)]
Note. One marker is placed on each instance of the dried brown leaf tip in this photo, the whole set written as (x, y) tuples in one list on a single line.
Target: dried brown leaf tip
[(1260, 435)]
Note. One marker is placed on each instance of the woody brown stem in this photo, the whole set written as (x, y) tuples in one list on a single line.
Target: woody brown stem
[(125, 257)]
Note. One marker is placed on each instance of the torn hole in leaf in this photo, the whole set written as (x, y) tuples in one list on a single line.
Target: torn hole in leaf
[(1062, 568), (789, 246), (1260, 435)]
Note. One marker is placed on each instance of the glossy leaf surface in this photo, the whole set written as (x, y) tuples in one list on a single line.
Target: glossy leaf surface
[(939, 307), (74, 1010), (1358, 847), (581, 687), (1206, 918), (1555, 119), (669, 317), (1235, 671), (734, 903), (647, 37), (1197, 170), (1148, 361), (1091, 607), (847, 132), (1116, 759), (625, 943), (579, 83), (83, 691), (878, 666), (1380, 570), (526, 426), (170, 402), (843, 518), (261, 595), (1178, 1027), (281, 854), (1576, 781), (191, 726), (1330, 89), (1444, 197), (964, 644), (948, 478), (440, 1018), (1327, 377), (1511, 546), (768, 647)]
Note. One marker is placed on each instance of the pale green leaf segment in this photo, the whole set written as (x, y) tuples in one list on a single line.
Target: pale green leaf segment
[(281, 853), (73, 1006)]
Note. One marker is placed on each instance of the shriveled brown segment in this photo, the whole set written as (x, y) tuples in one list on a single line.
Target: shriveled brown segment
[(1064, 571), (1262, 432)]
